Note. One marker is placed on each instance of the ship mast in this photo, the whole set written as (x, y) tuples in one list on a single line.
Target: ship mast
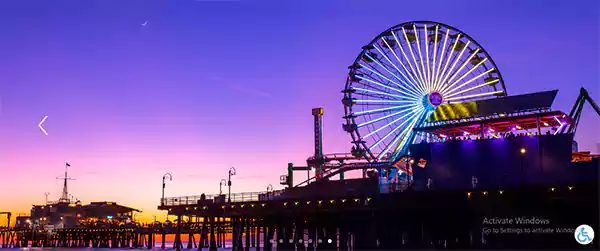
[(65, 193)]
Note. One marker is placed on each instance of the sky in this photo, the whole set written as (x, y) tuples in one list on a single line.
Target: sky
[(206, 85)]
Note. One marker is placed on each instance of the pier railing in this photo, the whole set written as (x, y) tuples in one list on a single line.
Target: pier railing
[(221, 198)]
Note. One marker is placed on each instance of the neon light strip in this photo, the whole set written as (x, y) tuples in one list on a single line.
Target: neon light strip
[(427, 56), (410, 74), (384, 117), (405, 80), (389, 71), (461, 68), (383, 93), (444, 80), (412, 54), (382, 85), (421, 57), (396, 138), (411, 114), (402, 144), (443, 72), (382, 101), (381, 110), (437, 27), (403, 135), (560, 127), (466, 73), (475, 95), (415, 72), (451, 94), (384, 77), (435, 85)]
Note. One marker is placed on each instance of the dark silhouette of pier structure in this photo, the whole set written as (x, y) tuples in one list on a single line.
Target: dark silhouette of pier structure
[(290, 220), (518, 165), (316, 217)]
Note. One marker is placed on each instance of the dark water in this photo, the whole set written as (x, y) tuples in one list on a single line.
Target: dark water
[(168, 247)]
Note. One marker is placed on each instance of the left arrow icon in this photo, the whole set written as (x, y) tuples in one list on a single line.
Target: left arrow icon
[(40, 125)]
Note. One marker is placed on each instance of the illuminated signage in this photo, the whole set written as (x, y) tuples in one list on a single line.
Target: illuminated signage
[(454, 111)]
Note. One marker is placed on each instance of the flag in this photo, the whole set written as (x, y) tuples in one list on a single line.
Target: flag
[(68, 165)]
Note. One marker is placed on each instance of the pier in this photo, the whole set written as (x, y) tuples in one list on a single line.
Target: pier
[(408, 219), (289, 220), (153, 236)]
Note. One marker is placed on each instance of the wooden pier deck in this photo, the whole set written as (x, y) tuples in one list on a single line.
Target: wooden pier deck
[(405, 220)]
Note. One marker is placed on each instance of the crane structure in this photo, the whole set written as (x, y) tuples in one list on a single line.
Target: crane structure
[(8, 215)]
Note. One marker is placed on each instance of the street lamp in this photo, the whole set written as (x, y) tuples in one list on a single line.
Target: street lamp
[(523, 151), (231, 173), (165, 177), (269, 190), (221, 185), (408, 163)]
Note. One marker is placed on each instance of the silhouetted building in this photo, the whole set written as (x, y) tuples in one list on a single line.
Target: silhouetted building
[(64, 214), (23, 222)]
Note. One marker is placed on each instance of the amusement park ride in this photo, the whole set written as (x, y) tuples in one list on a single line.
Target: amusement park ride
[(425, 81)]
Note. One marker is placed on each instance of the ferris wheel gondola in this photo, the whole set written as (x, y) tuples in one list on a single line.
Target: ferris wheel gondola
[(404, 75)]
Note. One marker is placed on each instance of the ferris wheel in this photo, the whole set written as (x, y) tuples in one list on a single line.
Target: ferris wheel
[(401, 77)]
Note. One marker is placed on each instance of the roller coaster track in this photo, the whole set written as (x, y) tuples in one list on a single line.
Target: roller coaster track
[(351, 167), (575, 113)]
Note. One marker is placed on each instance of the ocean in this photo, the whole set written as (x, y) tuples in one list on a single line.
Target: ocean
[(116, 249)]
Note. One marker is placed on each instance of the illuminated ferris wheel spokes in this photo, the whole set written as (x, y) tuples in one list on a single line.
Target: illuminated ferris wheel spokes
[(403, 75)]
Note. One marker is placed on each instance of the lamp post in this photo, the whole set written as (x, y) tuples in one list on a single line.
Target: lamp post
[(46, 194), (269, 190), (523, 151), (231, 173), (409, 162), (221, 185), (164, 178)]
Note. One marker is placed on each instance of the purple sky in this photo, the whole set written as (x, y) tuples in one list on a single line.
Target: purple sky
[(210, 84)]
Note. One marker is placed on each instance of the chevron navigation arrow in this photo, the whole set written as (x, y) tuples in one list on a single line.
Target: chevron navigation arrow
[(40, 125)]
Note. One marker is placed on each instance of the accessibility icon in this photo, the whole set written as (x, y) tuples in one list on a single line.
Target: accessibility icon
[(584, 234)]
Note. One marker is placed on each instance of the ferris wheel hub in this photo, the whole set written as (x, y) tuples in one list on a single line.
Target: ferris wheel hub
[(432, 100)]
